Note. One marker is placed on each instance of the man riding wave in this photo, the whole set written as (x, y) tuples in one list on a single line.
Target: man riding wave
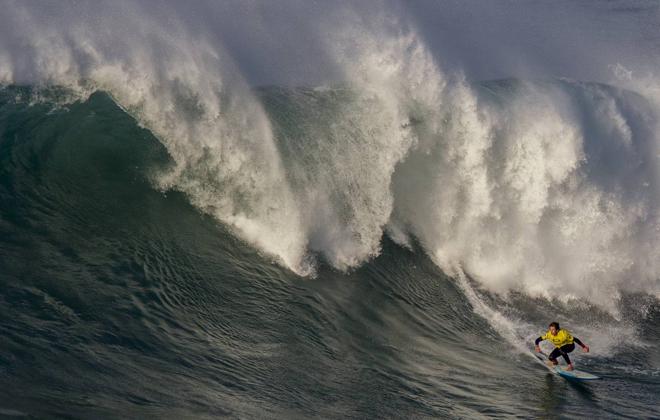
[(563, 342)]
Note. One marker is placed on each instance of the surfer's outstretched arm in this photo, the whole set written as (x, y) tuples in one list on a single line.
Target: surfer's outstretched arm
[(585, 348)]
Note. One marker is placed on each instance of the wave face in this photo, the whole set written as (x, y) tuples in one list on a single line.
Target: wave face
[(548, 186), (119, 299), (367, 245)]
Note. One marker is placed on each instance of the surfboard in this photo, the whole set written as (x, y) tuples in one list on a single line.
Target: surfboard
[(574, 375)]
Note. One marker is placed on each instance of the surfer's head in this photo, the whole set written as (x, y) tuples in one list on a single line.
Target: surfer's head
[(554, 327)]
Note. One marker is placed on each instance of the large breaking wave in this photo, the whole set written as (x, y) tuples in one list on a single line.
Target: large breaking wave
[(550, 187)]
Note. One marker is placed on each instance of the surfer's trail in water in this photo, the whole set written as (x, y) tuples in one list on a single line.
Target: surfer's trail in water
[(327, 210)]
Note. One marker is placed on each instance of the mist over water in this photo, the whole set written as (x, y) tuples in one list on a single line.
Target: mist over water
[(519, 152), (549, 186)]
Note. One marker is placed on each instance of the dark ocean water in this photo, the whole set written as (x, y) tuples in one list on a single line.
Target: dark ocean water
[(118, 300)]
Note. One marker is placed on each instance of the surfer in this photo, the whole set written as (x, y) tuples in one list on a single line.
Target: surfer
[(564, 344)]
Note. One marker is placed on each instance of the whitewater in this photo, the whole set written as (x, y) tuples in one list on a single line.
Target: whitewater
[(202, 215)]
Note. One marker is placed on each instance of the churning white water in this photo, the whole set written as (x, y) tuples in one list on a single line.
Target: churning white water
[(544, 185)]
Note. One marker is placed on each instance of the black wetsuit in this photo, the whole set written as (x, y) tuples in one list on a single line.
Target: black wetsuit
[(561, 351)]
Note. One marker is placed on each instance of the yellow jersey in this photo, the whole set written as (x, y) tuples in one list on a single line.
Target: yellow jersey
[(562, 338)]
